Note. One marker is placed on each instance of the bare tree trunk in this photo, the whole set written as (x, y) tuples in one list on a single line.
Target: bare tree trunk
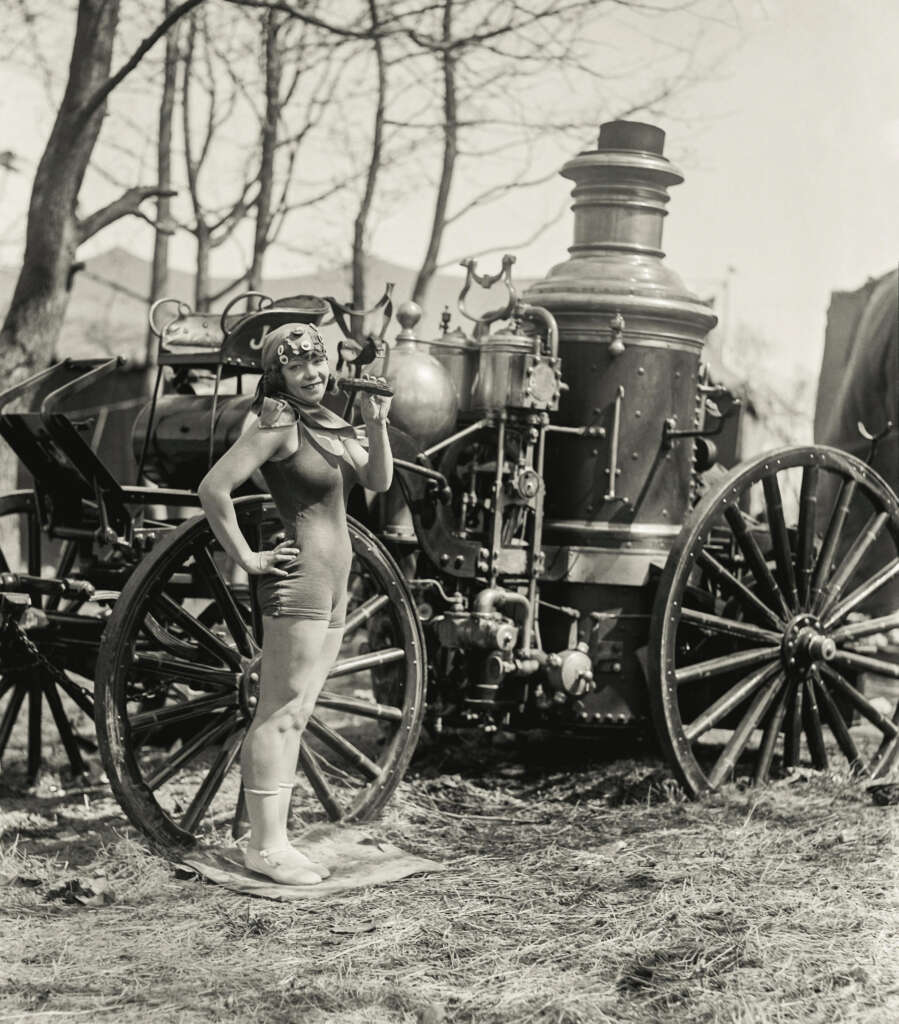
[(201, 284), (269, 143), (160, 272), (41, 295), (450, 151), (360, 226), (201, 230)]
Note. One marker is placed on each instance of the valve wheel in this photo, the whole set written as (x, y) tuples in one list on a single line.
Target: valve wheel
[(180, 656), (768, 637)]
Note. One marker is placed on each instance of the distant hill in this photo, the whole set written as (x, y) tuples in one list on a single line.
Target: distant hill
[(108, 316)]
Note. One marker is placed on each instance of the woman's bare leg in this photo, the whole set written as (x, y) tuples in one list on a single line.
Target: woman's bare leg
[(297, 654)]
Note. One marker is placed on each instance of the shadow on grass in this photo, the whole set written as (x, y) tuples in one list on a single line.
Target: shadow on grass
[(613, 768)]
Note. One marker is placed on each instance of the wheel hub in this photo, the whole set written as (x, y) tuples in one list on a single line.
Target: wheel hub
[(804, 644), (248, 689)]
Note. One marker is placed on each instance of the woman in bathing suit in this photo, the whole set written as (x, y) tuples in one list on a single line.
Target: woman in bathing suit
[(309, 458)]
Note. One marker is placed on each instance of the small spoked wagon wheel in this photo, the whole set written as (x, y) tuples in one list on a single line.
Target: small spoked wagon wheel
[(770, 620), (178, 676), (32, 659)]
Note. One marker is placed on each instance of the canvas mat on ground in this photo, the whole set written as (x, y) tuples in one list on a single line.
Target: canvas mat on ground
[(355, 857)]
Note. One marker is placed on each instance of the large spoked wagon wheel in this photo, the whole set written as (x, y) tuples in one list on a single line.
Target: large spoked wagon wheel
[(766, 636), (33, 664), (181, 655)]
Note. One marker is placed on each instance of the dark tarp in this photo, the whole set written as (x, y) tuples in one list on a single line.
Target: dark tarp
[(860, 383)]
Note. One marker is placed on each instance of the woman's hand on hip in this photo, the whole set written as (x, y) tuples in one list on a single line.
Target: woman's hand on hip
[(268, 561)]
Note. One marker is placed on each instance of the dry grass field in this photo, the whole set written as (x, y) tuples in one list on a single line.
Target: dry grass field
[(581, 887)]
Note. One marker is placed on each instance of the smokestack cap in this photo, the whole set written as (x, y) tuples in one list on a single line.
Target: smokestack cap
[(632, 136)]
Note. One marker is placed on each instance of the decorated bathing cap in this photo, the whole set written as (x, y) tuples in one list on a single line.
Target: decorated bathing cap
[(291, 341)]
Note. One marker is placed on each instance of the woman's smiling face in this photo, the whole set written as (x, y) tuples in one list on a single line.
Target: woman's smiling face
[(306, 379)]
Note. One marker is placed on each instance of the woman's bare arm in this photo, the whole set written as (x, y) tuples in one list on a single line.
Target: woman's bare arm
[(245, 456), (375, 467)]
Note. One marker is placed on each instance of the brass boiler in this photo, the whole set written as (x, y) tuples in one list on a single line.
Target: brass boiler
[(630, 339)]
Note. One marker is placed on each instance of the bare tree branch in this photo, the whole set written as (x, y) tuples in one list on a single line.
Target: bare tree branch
[(126, 205), (304, 16), (496, 191), (523, 243), (96, 101)]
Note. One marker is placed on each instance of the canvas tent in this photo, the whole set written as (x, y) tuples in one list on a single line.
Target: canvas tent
[(859, 383)]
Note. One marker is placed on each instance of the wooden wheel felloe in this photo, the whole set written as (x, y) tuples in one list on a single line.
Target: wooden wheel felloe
[(764, 635), (181, 654)]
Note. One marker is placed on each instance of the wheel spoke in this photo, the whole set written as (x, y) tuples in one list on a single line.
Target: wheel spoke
[(255, 539), (198, 677), (737, 589), (166, 640), (227, 604), (861, 702), (364, 612), (5, 686), (213, 782), (836, 723), (35, 706), (886, 756), (64, 728), (256, 610), (240, 823), (831, 540), (867, 664), (860, 547), (728, 701), (755, 559), (793, 733), (859, 630), (11, 713), (769, 738), (175, 714), (780, 540), (811, 721), (741, 735), (194, 628), (75, 692), (363, 708), (726, 663), (862, 593), (344, 748), (309, 762), (360, 662), (732, 627), (805, 534), (210, 734)]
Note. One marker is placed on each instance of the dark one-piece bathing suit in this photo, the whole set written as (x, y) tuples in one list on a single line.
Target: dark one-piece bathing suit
[(308, 488)]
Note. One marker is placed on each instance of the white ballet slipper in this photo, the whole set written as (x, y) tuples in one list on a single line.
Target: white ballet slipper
[(284, 865)]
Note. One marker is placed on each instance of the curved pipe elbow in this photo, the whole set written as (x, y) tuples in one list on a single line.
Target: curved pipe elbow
[(549, 322), (489, 600)]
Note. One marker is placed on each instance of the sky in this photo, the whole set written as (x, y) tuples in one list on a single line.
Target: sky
[(790, 155)]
